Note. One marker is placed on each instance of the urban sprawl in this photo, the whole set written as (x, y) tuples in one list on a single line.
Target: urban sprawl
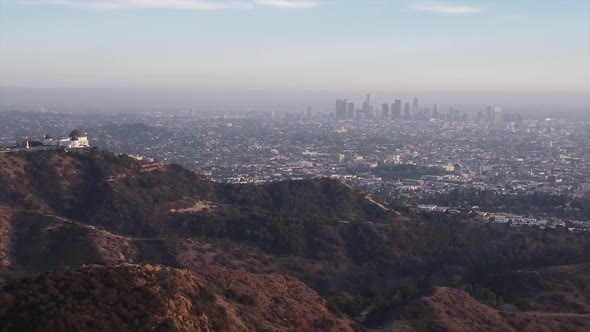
[(422, 156)]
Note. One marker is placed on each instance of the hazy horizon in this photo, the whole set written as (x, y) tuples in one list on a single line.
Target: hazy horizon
[(530, 49), (86, 100)]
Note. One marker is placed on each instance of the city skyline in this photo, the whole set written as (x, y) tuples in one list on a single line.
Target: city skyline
[(83, 100)]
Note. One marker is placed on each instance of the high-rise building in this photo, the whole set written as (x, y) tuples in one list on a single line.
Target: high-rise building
[(497, 115), (457, 115), (350, 110), (489, 114), (480, 118), (367, 107), (360, 115), (407, 111), (435, 111), (385, 111), (341, 109), (396, 109), (415, 107)]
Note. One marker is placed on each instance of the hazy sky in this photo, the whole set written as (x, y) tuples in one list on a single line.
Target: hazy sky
[(527, 47)]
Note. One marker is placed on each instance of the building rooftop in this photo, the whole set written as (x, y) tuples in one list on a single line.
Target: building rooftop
[(77, 133)]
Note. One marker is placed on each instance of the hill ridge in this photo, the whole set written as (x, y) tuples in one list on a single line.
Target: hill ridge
[(176, 299), (62, 210)]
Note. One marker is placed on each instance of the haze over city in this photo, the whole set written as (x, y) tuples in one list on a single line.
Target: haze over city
[(279, 54)]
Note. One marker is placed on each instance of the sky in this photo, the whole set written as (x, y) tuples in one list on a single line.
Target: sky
[(530, 48)]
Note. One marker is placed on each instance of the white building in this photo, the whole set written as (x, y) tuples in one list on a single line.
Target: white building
[(76, 139)]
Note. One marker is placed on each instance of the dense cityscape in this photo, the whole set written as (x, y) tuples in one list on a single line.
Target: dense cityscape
[(433, 160)]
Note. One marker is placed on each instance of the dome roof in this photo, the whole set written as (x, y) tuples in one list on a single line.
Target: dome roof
[(77, 133)]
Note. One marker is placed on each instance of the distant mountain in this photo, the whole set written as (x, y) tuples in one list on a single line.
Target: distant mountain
[(370, 261)]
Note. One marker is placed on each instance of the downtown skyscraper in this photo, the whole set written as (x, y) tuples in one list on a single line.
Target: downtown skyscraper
[(415, 107)]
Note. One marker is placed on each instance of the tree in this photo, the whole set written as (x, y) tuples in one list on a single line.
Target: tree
[(349, 304)]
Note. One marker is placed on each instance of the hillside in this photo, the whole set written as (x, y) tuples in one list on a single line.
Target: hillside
[(454, 310), (555, 288), (62, 209), (137, 198), (152, 297)]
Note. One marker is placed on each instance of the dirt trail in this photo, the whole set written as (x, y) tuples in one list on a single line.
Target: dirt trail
[(94, 228), (555, 314)]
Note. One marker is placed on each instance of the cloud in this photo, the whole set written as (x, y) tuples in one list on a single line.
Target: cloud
[(446, 9), (288, 3), (184, 4), (177, 4), (83, 4)]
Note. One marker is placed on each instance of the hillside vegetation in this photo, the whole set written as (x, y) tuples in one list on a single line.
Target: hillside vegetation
[(151, 297), (370, 261)]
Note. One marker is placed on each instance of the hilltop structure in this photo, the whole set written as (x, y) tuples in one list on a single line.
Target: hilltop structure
[(76, 139)]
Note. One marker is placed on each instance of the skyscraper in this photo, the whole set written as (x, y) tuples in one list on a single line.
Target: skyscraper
[(350, 110), (407, 111), (435, 111), (385, 111), (490, 114), (367, 108), (396, 109), (341, 109), (480, 118), (415, 107), (497, 115), (360, 115)]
